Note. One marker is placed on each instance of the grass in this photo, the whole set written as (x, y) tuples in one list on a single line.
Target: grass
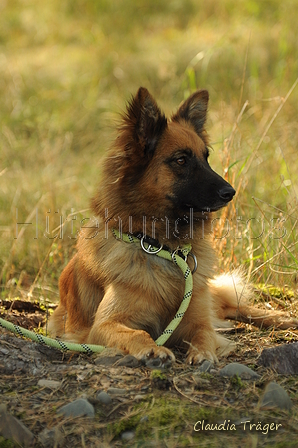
[(66, 71)]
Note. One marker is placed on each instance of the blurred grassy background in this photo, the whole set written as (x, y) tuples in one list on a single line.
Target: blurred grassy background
[(66, 70)]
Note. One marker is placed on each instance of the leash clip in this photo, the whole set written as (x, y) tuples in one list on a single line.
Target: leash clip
[(149, 249)]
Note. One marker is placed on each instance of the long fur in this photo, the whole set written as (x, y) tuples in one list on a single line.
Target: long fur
[(112, 293)]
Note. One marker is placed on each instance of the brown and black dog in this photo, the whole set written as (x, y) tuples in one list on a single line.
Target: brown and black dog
[(114, 294)]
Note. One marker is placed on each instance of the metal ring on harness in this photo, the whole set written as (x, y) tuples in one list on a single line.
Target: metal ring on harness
[(148, 249), (195, 262), (181, 256), (185, 258)]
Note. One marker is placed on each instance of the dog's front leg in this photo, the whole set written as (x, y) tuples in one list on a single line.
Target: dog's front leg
[(203, 346), (116, 325), (196, 329), (135, 342)]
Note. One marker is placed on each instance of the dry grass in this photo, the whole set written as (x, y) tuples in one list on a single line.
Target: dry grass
[(66, 70)]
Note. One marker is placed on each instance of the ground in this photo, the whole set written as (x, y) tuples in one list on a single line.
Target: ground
[(149, 406)]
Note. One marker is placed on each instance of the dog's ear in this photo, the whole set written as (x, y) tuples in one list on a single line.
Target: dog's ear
[(145, 121), (194, 110)]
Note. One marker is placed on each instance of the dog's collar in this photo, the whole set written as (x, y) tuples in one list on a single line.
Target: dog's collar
[(153, 246), (179, 257)]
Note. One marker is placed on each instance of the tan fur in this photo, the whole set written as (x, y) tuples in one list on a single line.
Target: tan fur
[(112, 293)]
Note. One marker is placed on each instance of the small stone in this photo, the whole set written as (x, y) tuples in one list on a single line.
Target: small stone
[(275, 396), (206, 366), (51, 437), (104, 398), (51, 384), (241, 370), (13, 429), (126, 436), (4, 351), (116, 391), (283, 359), (77, 408)]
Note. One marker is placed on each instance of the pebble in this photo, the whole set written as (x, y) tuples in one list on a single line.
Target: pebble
[(235, 368), (126, 436), (275, 396), (283, 359), (77, 408), (104, 398), (116, 391), (206, 366), (51, 384), (13, 429), (4, 351)]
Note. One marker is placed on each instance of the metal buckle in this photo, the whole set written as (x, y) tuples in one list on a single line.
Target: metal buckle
[(149, 249)]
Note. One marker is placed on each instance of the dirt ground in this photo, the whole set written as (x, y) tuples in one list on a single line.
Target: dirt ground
[(149, 406)]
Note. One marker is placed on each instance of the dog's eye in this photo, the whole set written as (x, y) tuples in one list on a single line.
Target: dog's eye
[(181, 161)]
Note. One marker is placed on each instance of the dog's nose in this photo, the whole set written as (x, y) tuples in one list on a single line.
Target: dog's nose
[(226, 193)]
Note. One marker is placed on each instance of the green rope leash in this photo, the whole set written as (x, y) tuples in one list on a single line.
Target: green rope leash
[(171, 256), (56, 343), (90, 348)]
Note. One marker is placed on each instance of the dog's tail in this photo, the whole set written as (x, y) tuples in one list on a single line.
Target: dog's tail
[(232, 295)]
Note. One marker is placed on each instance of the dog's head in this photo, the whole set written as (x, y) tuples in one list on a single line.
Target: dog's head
[(159, 167), (167, 160)]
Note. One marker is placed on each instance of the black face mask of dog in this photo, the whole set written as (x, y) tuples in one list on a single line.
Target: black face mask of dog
[(176, 150)]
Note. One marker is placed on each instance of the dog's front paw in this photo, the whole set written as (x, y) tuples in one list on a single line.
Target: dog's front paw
[(196, 357), (156, 356)]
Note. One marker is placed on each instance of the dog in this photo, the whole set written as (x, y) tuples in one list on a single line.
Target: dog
[(121, 295)]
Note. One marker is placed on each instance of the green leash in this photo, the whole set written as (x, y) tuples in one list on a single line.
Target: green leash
[(90, 348), (56, 343), (181, 263)]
